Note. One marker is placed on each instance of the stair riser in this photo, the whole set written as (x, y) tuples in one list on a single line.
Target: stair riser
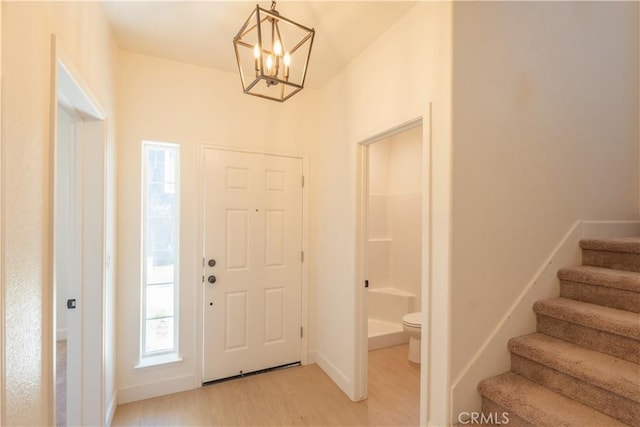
[(615, 260), (620, 299), (605, 401), (604, 342), (491, 407)]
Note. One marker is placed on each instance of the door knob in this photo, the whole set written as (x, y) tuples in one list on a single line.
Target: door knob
[(212, 262), (212, 279)]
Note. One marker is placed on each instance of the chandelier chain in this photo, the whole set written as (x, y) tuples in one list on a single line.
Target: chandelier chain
[(273, 4)]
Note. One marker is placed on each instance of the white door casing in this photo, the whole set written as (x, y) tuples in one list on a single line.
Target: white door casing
[(68, 253), (253, 231), (86, 355)]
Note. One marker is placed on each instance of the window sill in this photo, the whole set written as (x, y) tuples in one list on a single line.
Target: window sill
[(164, 359)]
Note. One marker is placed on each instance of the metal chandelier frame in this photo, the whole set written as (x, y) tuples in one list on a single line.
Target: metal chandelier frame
[(272, 75)]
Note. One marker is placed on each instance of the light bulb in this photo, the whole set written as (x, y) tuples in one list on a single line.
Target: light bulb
[(269, 64), (256, 60), (277, 48), (287, 62)]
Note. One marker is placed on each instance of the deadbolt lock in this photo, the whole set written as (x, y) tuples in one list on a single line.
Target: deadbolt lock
[(212, 262)]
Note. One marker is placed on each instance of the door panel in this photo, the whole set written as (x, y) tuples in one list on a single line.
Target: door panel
[(275, 238), (253, 229), (274, 315), (237, 321), (237, 238)]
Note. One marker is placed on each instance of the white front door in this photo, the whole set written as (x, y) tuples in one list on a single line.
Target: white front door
[(252, 267)]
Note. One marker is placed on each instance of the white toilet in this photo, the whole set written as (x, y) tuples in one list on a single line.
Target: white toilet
[(412, 324)]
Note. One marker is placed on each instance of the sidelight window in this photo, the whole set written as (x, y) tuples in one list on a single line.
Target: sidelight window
[(160, 248)]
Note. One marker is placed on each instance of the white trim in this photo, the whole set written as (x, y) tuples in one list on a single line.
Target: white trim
[(336, 375), (394, 130), (111, 409), (67, 87), (199, 269), (436, 381), (2, 243), (251, 150), (94, 270), (155, 388), (360, 382), (492, 356), (48, 295), (162, 359), (361, 330), (77, 91), (306, 356)]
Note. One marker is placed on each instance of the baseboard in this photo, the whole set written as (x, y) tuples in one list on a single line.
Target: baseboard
[(335, 374), (493, 358), (111, 409), (387, 340), (155, 389)]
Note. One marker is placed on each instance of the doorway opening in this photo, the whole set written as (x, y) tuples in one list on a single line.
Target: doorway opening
[(393, 242), (78, 312), (391, 252)]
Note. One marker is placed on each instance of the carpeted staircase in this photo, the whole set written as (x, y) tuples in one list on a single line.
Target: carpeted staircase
[(582, 366)]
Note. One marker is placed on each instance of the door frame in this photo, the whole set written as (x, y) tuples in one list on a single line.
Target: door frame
[(362, 212), (69, 90), (435, 384), (2, 346), (305, 358), (68, 155)]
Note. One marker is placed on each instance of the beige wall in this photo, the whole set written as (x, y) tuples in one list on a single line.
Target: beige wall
[(167, 101), (85, 37), (393, 81), (545, 132)]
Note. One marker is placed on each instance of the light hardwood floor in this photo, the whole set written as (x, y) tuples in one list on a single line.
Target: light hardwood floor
[(301, 396)]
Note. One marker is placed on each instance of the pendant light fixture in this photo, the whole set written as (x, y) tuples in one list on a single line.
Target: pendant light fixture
[(272, 54)]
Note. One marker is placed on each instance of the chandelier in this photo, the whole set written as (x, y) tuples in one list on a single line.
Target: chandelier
[(272, 54)]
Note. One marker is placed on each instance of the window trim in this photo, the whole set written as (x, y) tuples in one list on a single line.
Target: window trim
[(171, 355)]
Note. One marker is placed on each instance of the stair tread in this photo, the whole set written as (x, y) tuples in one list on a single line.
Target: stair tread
[(620, 244), (539, 405), (607, 372), (594, 316), (598, 276)]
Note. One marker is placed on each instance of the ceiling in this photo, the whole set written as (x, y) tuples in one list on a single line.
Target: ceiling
[(201, 32)]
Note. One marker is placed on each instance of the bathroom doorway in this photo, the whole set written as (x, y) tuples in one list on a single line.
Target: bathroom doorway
[(394, 230), (391, 252)]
